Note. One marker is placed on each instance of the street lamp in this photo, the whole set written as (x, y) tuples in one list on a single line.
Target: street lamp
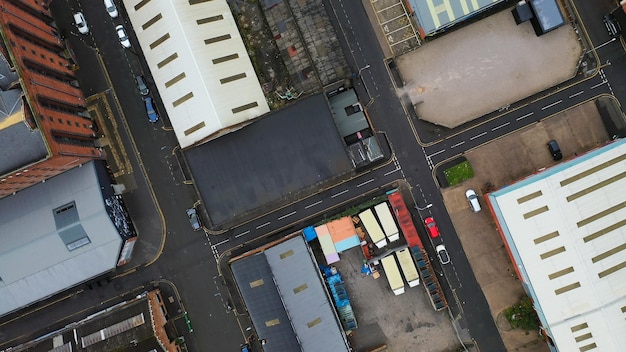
[(363, 68), (424, 208)]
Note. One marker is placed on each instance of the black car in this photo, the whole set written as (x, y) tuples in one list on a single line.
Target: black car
[(554, 149), (612, 26)]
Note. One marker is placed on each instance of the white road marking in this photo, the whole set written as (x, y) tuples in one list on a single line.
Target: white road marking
[(458, 144), (364, 183), (439, 152), (499, 127), (553, 104), (338, 194), (267, 223), (525, 116), (286, 215), (598, 85), (312, 205), (577, 94), (242, 234), (220, 243), (478, 136), (391, 172)]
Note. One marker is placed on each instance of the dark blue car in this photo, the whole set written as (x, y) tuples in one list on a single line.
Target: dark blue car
[(152, 115)]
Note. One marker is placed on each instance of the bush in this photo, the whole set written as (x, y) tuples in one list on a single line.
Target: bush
[(522, 315), (459, 173)]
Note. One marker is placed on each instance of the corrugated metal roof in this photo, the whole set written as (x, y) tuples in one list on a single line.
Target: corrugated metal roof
[(566, 229), (200, 66), (34, 260), (256, 284), (283, 281)]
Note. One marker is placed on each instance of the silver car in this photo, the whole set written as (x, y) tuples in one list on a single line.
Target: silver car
[(194, 219)]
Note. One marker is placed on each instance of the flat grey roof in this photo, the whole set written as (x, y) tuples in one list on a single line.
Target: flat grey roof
[(292, 149), (291, 288), (13, 130), (548, 14), (347, 124), (54, 235)]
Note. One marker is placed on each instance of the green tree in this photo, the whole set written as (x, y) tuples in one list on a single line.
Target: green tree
[(522, 315)]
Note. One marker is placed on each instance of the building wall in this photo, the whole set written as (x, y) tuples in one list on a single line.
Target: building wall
[(52, 101)]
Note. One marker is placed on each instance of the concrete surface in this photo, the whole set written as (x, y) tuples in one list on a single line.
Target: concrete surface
[(484, 66), (406, 322), (502, 162)]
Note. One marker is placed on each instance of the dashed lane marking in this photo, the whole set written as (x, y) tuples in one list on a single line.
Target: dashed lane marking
[(553, 104), (242, 234), (366, 182), (286, 215), (338, 194), (458, 144), (391, 172), (525, 116), (577, 94), (260, 226), (478, 136), (313, 204), (502, 125)]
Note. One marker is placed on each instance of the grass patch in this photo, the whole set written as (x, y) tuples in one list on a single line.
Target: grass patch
[(522, 315), (459, 173)]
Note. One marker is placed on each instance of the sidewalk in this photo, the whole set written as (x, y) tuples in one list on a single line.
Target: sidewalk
[(126, 168)]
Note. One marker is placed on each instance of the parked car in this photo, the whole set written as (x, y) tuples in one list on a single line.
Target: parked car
[(109, 5), (245, 348), (81, 23), (141, 85), (194, 219), (152, 115), (121, 34), (431, 226), (442, 253), (554, 149), (612, 26), (472, 199)]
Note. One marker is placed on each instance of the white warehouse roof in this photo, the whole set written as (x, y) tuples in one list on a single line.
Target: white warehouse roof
[(199, 64), (566, 231)]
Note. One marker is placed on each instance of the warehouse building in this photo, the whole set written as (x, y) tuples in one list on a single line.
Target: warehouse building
[(200, 66), (565, 231)]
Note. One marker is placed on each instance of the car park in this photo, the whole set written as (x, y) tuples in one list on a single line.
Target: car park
[(121, 34), (431, 226), (152, 115), (555, 150), (81, 23), (442, 253), (472, 199), (109, 5), (141, 85), (612, 26), (194, 219)]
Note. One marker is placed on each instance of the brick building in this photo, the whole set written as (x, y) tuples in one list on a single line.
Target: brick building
[(44, 127)]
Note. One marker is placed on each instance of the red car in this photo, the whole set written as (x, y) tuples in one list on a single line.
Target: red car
[(431, 226)]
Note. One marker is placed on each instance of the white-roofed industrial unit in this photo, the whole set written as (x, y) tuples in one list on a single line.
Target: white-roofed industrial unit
[(566, 231), (199, 64), (53, 236)]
